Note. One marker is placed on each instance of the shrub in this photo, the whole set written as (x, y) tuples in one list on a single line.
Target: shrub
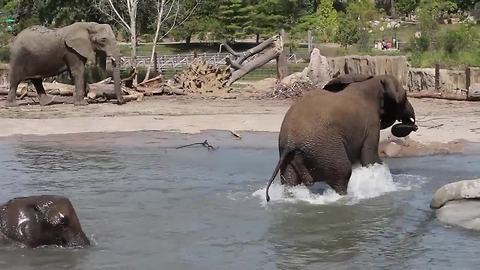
[(420, 44)]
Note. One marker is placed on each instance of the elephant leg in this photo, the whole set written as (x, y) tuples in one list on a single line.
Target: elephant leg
[(296, 173), (77, 71), (333, 166), (12, 92), (43, 98), (369, 155)]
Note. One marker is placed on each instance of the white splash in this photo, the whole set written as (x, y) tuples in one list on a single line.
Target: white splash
[(365, 182)]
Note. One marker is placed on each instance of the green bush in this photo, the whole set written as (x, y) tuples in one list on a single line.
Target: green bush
[(420, 44)]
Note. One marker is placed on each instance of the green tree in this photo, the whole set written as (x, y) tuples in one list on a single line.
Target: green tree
[(429, 12), (406, 7), (234, 17), (347, 32), (323, 22)]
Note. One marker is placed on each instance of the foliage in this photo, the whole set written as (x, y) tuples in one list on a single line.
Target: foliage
[(429, 12), (233, 15), (420, 44), (406, 7), (347, 32), (323, 22), (456, 40)]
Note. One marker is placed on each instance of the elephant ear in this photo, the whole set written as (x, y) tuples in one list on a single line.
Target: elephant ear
[(394, 98), (339, 83), (80, 42)]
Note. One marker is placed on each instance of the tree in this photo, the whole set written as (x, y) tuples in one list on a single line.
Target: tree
[(347, 31), (234, 17), (323, 23), (429, 12), (170, 13), (406, 7), (263, 19), (124, 12)]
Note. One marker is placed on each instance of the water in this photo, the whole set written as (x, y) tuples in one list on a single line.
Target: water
[(147, 205)]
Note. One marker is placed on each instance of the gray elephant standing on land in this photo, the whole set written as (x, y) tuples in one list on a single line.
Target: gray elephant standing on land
[(41, 220), (325, 132), (38, 52)]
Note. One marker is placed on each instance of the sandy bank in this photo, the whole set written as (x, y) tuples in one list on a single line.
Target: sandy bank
[(440, 121)]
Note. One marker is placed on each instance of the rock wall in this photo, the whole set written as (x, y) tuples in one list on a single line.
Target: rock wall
[(453, 81), (414, 79), (372, 65)]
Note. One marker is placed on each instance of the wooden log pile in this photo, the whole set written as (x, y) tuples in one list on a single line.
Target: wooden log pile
[(291, 90)]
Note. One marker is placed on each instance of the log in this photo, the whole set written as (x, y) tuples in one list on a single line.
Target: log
[(437, 95), (251, 65), (282, 65), (241, 57)]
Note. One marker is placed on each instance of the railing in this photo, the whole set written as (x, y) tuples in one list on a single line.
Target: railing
[(178, 61)]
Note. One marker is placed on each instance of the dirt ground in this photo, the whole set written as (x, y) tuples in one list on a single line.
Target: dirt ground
[(444, 126)]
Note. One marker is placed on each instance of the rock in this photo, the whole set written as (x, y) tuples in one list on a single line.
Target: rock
[(371, 65), (318, 70), (474, 92), (392, 149)]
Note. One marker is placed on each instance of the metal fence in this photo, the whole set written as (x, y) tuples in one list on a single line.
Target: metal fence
[(178, 61)]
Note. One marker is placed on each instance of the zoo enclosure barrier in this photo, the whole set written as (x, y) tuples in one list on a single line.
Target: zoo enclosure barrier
[(179, 61)]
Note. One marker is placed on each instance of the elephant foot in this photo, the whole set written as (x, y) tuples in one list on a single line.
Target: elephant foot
[(45, 100), (121, 101), (82, 102), (11, 103)]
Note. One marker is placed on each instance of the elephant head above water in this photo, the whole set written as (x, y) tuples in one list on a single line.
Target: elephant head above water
[(41, 220), (327, 131), (38, 52)]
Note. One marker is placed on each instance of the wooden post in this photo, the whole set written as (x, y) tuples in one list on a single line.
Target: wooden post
[(282, 63), (309, 41), (437, 77), (467, 78), (155, 63)]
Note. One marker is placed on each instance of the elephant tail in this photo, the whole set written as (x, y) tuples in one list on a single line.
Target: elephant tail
[(283, 157)]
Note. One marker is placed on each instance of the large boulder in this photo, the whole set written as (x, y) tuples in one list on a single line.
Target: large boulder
[(457, 204)]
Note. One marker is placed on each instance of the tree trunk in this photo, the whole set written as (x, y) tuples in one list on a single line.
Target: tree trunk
[(133, 39), (258, 38), (282, 65), (188, 39)]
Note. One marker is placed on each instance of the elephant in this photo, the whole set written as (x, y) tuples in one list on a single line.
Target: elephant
[(458, 204), (38, 52), (326, 131), (41, 220)]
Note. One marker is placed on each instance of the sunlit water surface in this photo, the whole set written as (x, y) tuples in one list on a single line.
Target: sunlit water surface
[(147, 205)]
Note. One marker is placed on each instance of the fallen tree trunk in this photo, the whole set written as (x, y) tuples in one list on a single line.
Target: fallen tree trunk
[(437, 95), (270, 49)]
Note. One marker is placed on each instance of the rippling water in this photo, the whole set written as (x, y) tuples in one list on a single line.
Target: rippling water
[(147, 205)]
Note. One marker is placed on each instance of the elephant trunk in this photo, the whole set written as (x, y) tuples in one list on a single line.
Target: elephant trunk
[(407, 116), (77, 239)]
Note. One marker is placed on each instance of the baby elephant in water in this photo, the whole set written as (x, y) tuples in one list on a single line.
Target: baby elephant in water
[(458, 204), (41, 220)]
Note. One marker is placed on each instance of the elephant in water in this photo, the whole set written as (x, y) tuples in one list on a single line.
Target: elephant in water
[(39, 52), (458, 204), (327, 131), (41, 220)]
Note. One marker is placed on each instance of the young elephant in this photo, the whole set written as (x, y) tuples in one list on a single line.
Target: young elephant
[(41, 220), (326, 131)]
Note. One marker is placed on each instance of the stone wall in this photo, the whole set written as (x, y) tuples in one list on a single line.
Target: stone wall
[(454, 81), (372, 65), (414, 79)]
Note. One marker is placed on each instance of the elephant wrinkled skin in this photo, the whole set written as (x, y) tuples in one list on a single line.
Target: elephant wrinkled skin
[(458, 204), (41, 220), (38, 52), (327, 131)]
